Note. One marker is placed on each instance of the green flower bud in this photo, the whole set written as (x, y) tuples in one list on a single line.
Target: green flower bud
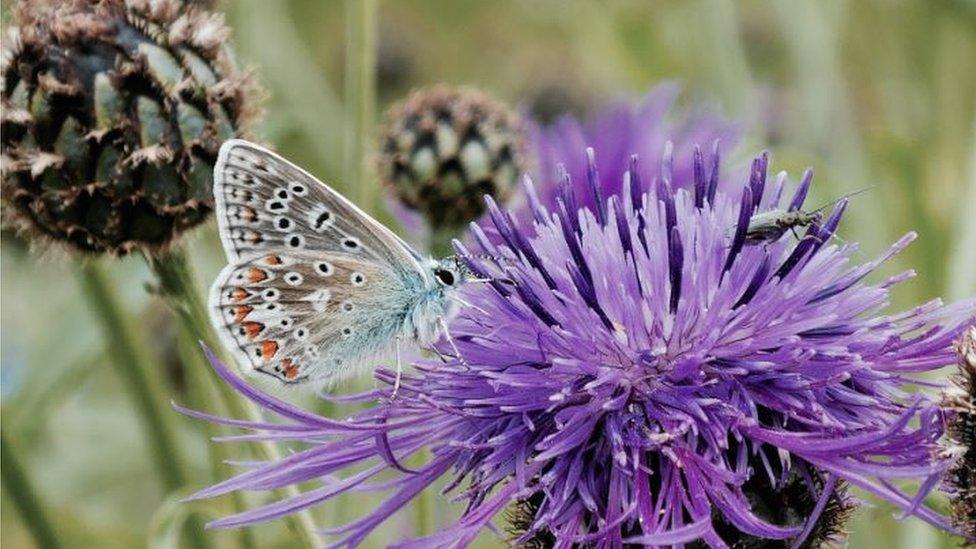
[(443, 149)]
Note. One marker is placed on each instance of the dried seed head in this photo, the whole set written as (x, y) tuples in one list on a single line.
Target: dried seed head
[(520, 517), (960, 404), (788, 502), (792, 502), (444, 148), (113, 112)]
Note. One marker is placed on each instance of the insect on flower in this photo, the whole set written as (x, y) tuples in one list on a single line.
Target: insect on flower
[(315, 286), (770, 226), (641, 381)]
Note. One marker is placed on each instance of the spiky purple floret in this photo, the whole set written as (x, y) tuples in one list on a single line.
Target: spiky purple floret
[(634, 372), (644, 129)]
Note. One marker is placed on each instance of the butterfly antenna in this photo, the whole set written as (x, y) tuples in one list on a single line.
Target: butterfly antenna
[(838, 199), (495, 258)]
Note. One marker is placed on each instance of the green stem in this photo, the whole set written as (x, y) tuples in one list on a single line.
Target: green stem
[(423, 504), (203, 394), (360, 98), (134, 367), (177, 287), (25, 498)]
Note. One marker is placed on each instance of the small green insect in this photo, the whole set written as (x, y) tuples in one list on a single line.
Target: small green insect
[(772, 225)]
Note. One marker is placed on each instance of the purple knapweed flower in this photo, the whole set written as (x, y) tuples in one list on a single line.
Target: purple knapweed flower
[(628, 370), (622, 130)]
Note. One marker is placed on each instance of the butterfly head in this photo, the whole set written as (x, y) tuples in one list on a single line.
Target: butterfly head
[(449, 272)]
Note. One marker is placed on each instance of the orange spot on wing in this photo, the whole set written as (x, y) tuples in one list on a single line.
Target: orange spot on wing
[(256, 275), (273, 260), (253, 329), (241, 312), (291, 370), (240, 294), (268, 349)]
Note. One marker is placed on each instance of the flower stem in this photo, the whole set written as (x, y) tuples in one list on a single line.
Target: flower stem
[(25, 499), (202, 393), (134, 367), (422, 504), (360, 98), (177, 287)]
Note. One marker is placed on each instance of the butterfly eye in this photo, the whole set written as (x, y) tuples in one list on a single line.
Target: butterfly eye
[(445, 277)]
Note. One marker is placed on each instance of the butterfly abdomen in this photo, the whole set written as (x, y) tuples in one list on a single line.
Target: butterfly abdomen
[(423, 321)]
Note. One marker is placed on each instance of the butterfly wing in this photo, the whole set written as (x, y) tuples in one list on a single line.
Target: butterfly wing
[(264, 202), (314, 285), (303, 316)]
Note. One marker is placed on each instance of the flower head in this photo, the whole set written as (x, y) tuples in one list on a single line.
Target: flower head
[(444, 148), (631, 371), (113, 112), (960, 403), (623, 130)]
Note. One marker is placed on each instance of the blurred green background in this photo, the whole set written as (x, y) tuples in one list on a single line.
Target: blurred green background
[(872, 92)]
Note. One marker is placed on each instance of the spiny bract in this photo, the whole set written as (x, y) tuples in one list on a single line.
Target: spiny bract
[(113, 112)]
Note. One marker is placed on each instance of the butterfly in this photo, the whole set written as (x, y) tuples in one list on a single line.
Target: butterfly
[(315, 288)]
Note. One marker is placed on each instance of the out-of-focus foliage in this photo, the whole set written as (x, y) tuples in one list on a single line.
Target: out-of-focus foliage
[(872, 92)]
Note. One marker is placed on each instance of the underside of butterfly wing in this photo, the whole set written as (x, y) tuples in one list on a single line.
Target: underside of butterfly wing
[(301, 316)]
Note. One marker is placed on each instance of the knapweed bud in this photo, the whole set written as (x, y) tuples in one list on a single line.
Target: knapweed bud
[(960, 403), (520, 517), (443, 149), (113, 112), (790, 501)]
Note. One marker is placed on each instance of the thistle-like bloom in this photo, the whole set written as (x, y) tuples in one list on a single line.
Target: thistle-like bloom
[(625, 129), (630, 370)]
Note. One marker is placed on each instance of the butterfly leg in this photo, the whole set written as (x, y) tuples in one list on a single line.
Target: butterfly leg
[(470, 305), (399, 368), (814, 238), (450, 340), (439, 354)]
